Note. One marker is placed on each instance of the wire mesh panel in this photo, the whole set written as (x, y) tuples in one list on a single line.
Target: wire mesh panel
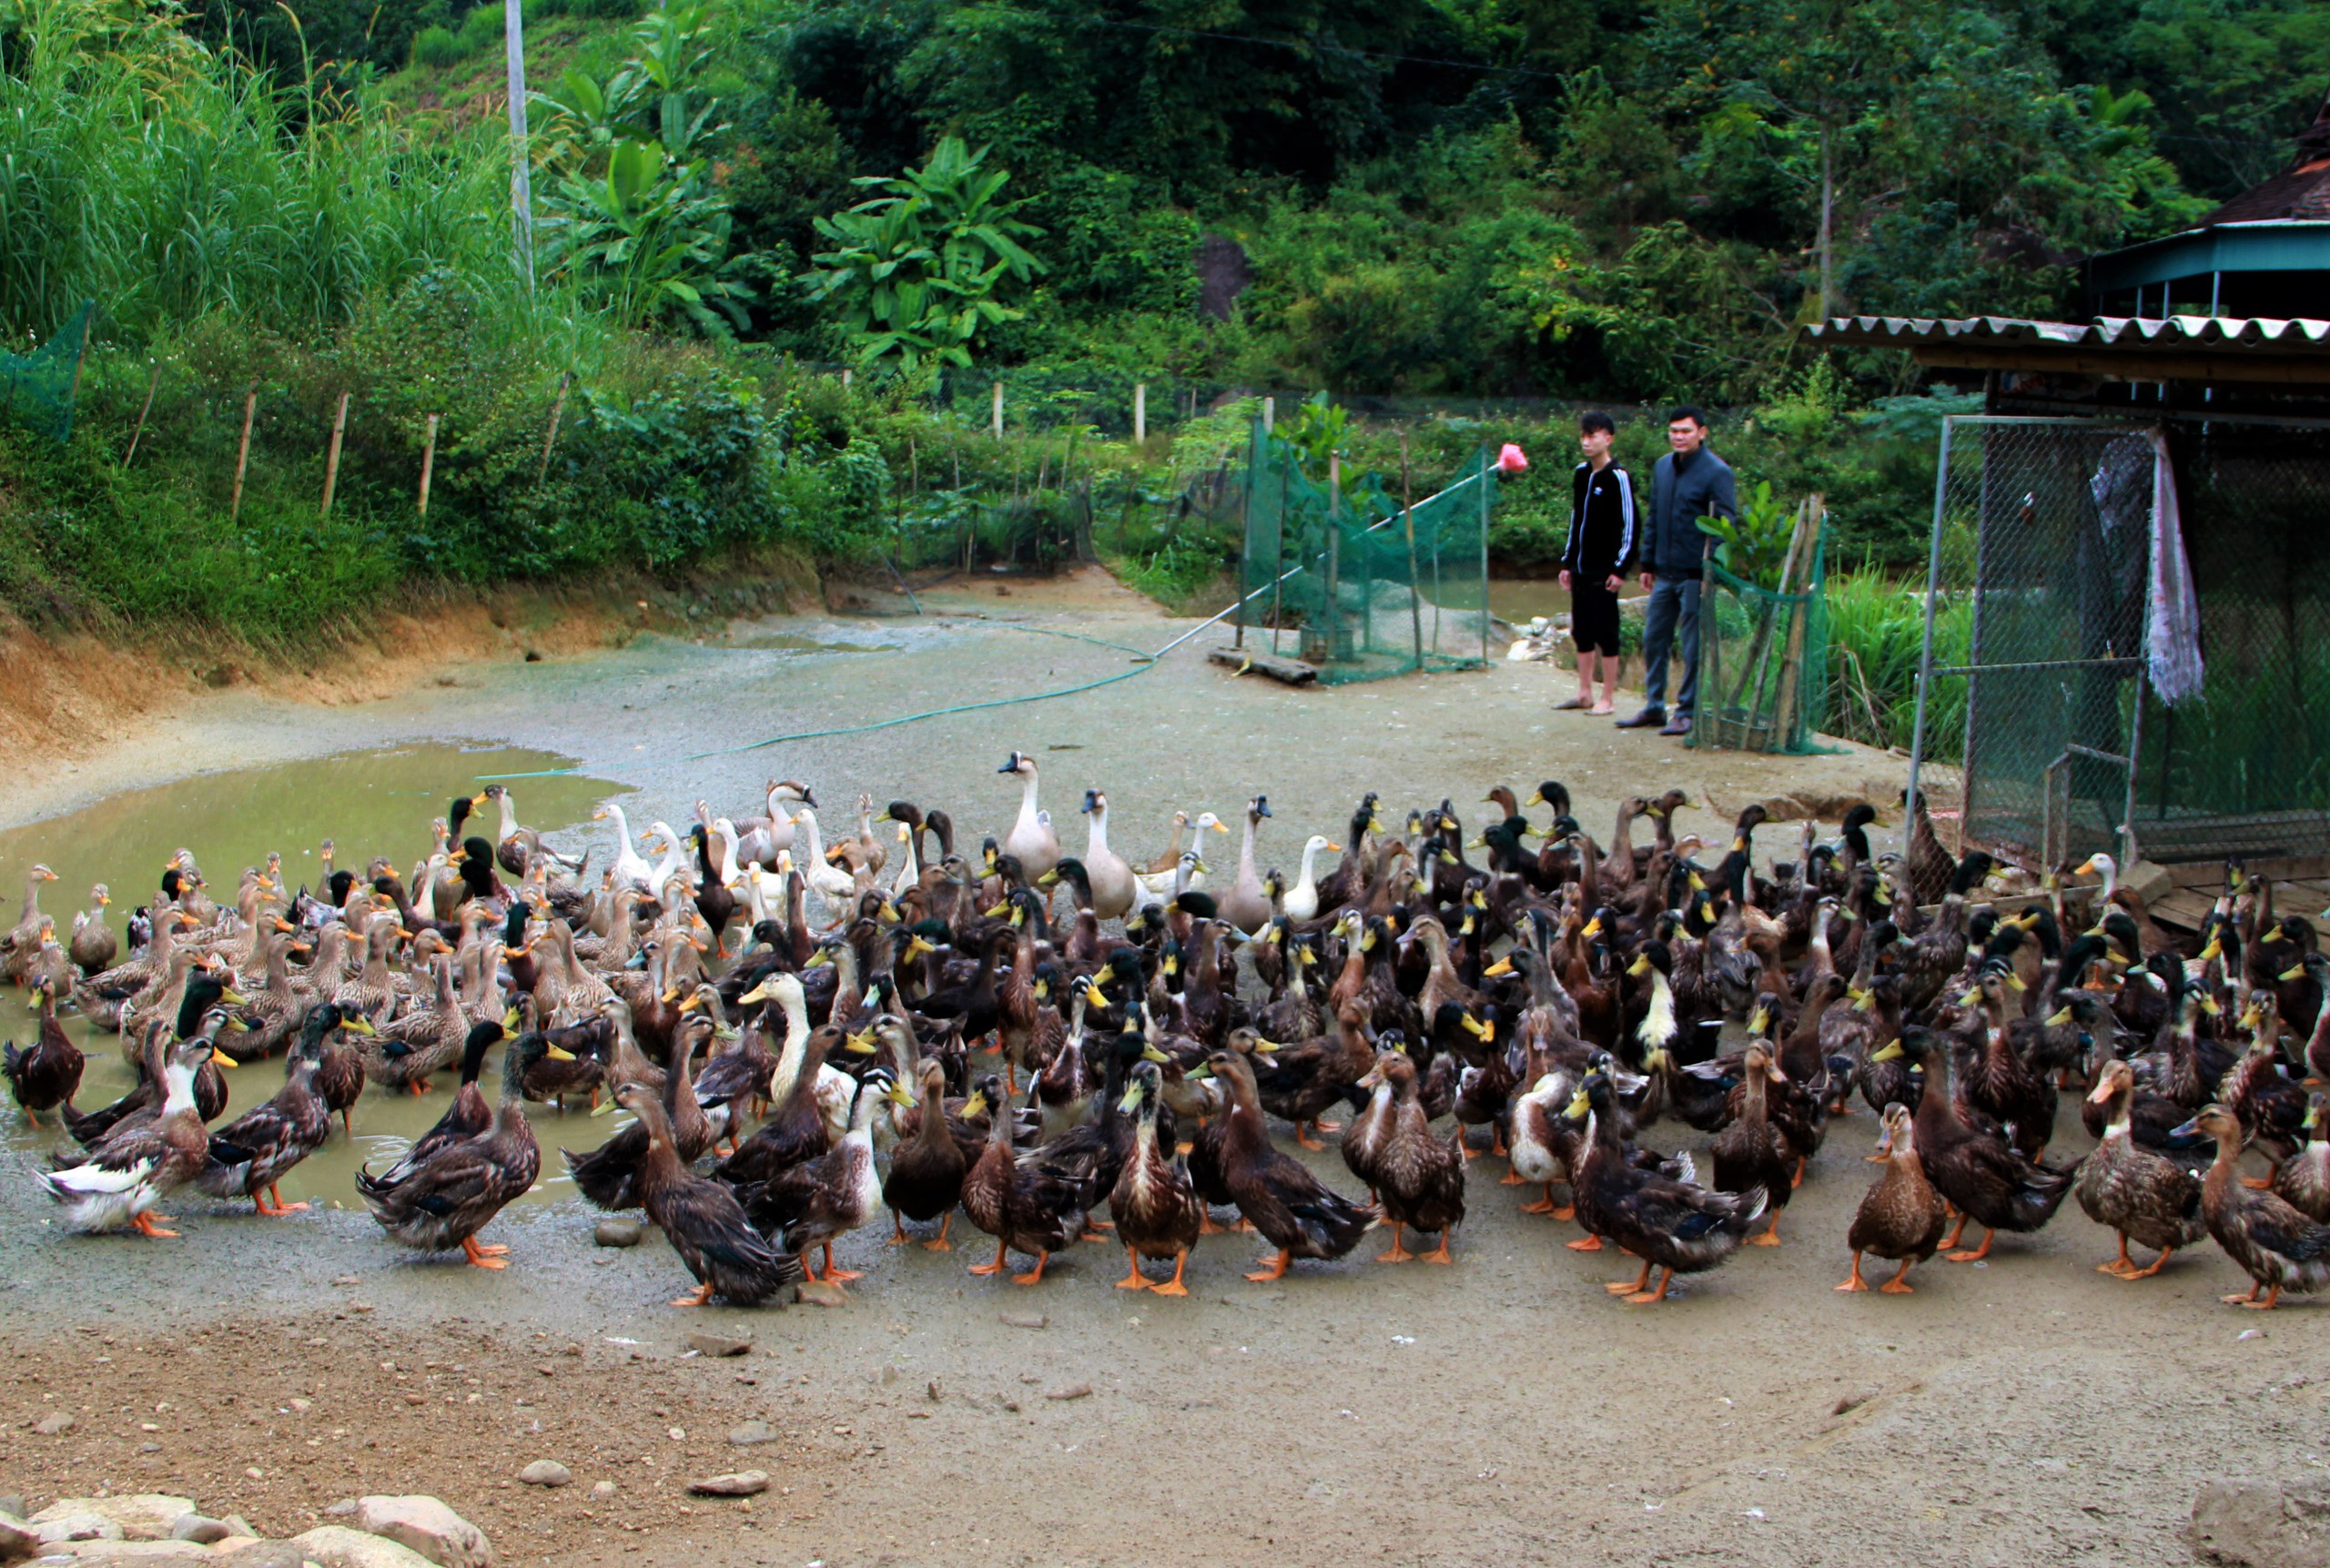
[(2045, 527), (1763, 661), (1359, 585), (2241, 770), (36, 386)]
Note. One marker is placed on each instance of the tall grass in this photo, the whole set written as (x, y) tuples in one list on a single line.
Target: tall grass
[(1876, 639), (167, 181)]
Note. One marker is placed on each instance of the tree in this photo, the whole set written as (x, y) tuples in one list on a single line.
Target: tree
[(914, 272)]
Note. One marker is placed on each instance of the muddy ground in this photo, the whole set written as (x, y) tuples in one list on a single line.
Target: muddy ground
[(1501, 1410)]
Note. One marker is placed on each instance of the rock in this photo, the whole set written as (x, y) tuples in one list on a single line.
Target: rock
[(52, 1424), (56, 1529), (718, 1345), (263, 1554), (753, 1434), (744, 1483), (2262, 1524), (136, 1554), (12, 1504), (818, 1293), (143, 1516), (1025, 1320), (1073, 1391), (427, 1526), (240, 1525), (344, 1509), (201, 1530), (17, 1538), (615, 1231), (338, 1546), (546, 1473), (601, 1490)]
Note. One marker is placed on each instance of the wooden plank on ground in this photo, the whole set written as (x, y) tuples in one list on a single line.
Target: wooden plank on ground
[(1277, 666)]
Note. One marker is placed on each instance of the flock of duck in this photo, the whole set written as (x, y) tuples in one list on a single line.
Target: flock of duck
[(887, 1021)]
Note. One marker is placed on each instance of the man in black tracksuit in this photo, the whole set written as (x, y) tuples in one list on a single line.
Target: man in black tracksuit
[(1594, 561), (1689, 482)]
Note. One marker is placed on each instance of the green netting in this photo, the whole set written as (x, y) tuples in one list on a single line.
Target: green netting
[(1763, 663), (36, 387), (1358, 585)]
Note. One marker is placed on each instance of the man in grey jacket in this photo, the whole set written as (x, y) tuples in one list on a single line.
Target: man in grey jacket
[(1689, 483)]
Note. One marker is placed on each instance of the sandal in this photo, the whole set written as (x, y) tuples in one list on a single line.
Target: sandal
[(1572, 705), (1605, 708)]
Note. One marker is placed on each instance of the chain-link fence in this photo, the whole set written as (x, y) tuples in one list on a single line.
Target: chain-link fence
[(2037, 682), (1764, 656)]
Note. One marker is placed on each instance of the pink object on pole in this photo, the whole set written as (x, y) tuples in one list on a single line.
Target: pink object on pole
[(1511, 460)]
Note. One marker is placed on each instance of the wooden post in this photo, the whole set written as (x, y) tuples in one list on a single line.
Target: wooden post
[(243, 453), (557, 412), (1140, 412), (844, 380), (331, 458), (152, 383), (994, 419), (1792, 657), (1270, 414), (914, 470), (428, 462), (1408, 517)]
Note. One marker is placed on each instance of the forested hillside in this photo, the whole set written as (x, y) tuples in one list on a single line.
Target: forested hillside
[(1466, 199)]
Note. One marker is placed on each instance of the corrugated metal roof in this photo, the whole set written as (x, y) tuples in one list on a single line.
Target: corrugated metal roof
[(2261, 335)]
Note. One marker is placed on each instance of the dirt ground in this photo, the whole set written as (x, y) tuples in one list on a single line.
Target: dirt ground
[(1501, 1410)]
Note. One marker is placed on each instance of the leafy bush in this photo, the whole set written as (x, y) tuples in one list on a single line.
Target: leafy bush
[(437, 46), (482, 29)]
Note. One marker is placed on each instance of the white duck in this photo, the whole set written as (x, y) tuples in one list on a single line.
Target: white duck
[(1303, 898), (1112, 878), (764, 836), (675, 856), (909, 864), (1162, 879), (837, 888), (1031, 839), (630, 868), (835, 1088), (1245, 904)]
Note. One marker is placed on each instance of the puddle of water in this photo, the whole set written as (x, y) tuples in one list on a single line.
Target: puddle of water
[(785, 643), (368, 804), (1516, 599)]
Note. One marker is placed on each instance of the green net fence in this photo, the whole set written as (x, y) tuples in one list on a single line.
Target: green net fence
[(1358, 584), (36, 387), (1764, 661)]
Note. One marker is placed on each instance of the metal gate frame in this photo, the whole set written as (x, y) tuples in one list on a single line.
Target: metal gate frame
[(2054, 829)]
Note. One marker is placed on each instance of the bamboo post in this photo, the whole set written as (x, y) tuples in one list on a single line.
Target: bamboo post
[(557, 412), (331, 457), (428, 462), (994, 415), (1408, 517), (81, 356), (1140, 412), (152, 383), (1749, 696), (1792, 658), (243, 451)]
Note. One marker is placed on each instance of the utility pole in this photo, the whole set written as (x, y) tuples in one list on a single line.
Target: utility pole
[(521, 184)]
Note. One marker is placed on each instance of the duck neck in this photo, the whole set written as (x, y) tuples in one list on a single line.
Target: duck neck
[(1028, 801), (1096, 836)]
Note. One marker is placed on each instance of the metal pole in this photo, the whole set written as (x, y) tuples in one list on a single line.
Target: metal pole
[(1334, 554), (521, 183), (1140, 412), (1270, 413), (995, 418), (1484, 556), (1924, 656)]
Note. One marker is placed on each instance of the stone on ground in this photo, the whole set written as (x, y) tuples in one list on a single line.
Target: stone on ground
[(338, 1546), (428, 1526), (143, 1516), (2262, 1524), (546, 1473)]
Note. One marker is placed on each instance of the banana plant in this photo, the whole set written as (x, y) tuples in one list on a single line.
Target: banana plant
[(646, 237), (914, 273)]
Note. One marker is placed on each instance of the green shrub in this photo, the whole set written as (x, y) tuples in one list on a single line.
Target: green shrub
[(437, 47), (482, 29), (606, 10)]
